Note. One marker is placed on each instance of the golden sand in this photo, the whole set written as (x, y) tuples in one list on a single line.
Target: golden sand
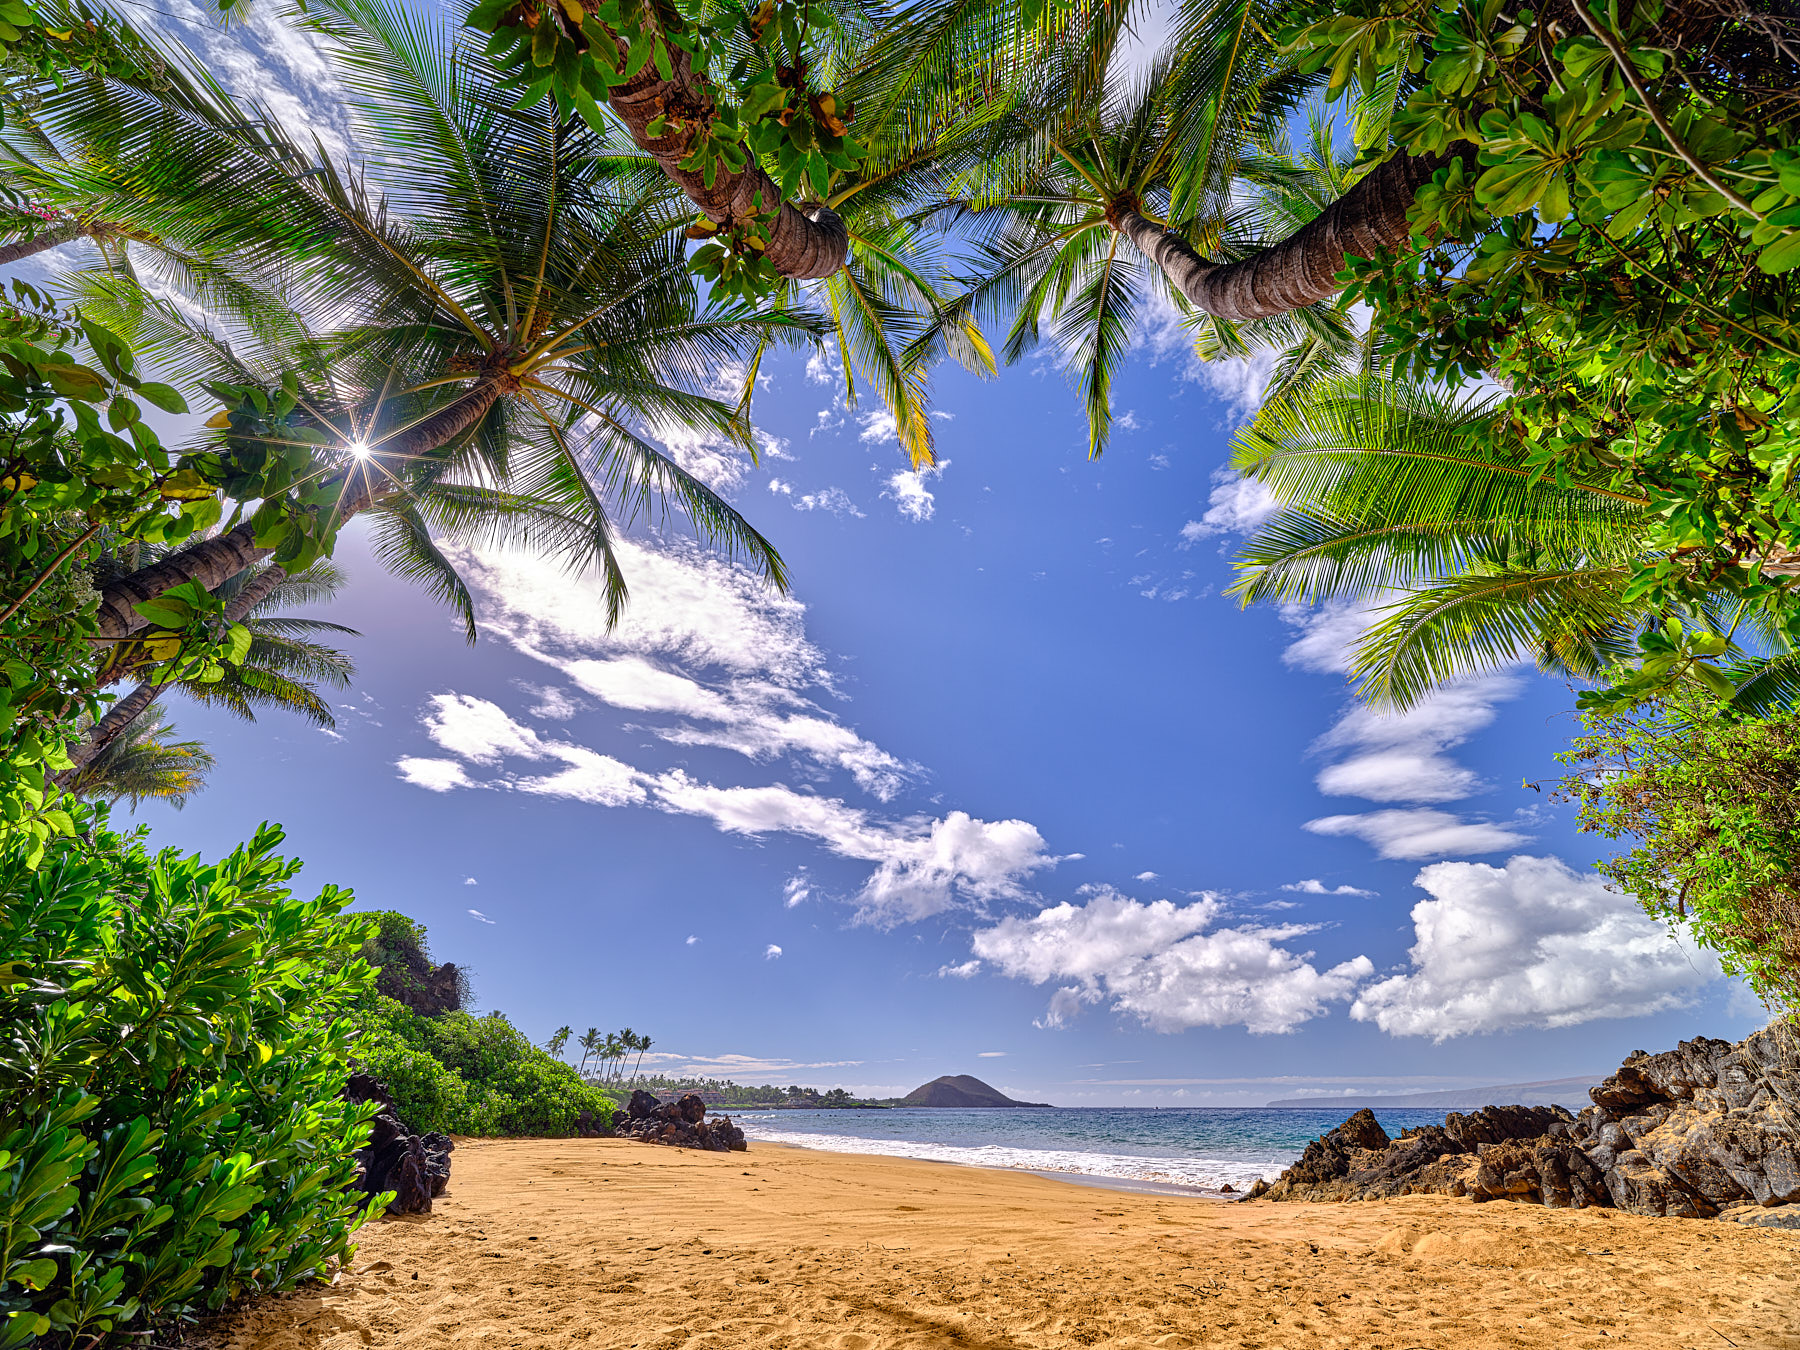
[(604, 1243)]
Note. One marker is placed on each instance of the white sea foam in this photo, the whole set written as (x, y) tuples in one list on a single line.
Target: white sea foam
[(1202, 1173)]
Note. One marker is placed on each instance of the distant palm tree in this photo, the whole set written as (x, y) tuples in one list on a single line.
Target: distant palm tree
[(556, 1043), (643, 1044), (145, 762), (590, 1046)]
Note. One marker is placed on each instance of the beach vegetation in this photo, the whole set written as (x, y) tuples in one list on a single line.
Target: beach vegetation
[(447, 1069), (1711, 808), (172, 1134)]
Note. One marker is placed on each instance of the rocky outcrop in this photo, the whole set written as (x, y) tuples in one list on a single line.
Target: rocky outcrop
[(681, 1123), (1709, 1129), (427, 989), (415, 1167)]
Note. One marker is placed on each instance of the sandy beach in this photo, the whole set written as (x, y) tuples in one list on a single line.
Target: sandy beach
[(616, 1244)]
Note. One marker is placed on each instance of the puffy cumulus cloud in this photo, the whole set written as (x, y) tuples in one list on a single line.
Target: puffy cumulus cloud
[(1145, 876), (1170, 966), (910, 495), (703, 644), (1529, 944), (771, 952), (967, 970), (1236, 505), (1420, 833), (1313, 886), (921, 866)]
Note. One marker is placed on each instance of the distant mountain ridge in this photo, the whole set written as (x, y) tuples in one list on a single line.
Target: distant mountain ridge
[(960, 1090), (1571, 1092)]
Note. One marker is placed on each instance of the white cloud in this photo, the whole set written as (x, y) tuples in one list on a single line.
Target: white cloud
[(923, 866), (962, 972), (719, 462), (469, 881), (691, 939), (824, 366), (434, 775), (795, 890), (1238, 382), (1529, 944), (553, 704), (878, 428), (1236, 505), (771, 952), (907, 487), (702, 643), (1327, 633), (1400, 756), (990, 1054), (1168, 965), (1313, 886), (1128, 421), (1145, 876), (1420, 833), (832, 499), (776, 485), (479, 917)]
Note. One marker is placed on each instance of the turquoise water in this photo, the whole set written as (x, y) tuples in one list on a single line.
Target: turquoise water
[(1200, 1147)]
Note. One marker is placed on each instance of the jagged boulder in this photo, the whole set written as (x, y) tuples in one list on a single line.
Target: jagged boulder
[(415, 1167), (682, 1123), (1706, 1129)]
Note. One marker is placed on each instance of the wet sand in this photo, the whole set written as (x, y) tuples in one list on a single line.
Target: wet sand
[(607, 1243)]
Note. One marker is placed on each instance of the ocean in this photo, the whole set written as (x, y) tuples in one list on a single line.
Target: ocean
[(1200, 1148)]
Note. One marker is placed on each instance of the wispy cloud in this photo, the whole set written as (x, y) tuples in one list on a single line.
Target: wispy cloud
[(479, 917)]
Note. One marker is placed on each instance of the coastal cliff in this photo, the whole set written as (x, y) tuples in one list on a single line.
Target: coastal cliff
[(1707, 1130)]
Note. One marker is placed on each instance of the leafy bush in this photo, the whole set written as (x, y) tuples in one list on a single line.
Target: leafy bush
[(1715, 807), (470, 1075), (171, 1134)]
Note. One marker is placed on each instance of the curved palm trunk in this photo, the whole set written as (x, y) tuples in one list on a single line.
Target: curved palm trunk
[(212, 562), (1302, 269), (41, 242), (108, 729), (807, 241)]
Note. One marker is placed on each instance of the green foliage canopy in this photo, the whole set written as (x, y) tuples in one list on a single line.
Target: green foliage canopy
[(1614, 241), (171, 1130), (1714, 805)]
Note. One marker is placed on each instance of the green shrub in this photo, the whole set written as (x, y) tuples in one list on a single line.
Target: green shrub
[(470, 1075), (171, 1134)]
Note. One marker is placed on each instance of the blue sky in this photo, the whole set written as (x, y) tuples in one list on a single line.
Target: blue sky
[(1004, 786)]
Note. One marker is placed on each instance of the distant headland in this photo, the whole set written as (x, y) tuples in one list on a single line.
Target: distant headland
[(960, 1090), (1572, 1092)]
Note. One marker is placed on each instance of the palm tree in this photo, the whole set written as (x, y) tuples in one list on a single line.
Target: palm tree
[(145, 762), (282, 668), (643, 1044), (1424, 504), (1069, 225), (589, 1041), (557, 1041), (477, 321)]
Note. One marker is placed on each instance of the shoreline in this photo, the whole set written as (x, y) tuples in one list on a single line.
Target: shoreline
[(615, 1245)]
